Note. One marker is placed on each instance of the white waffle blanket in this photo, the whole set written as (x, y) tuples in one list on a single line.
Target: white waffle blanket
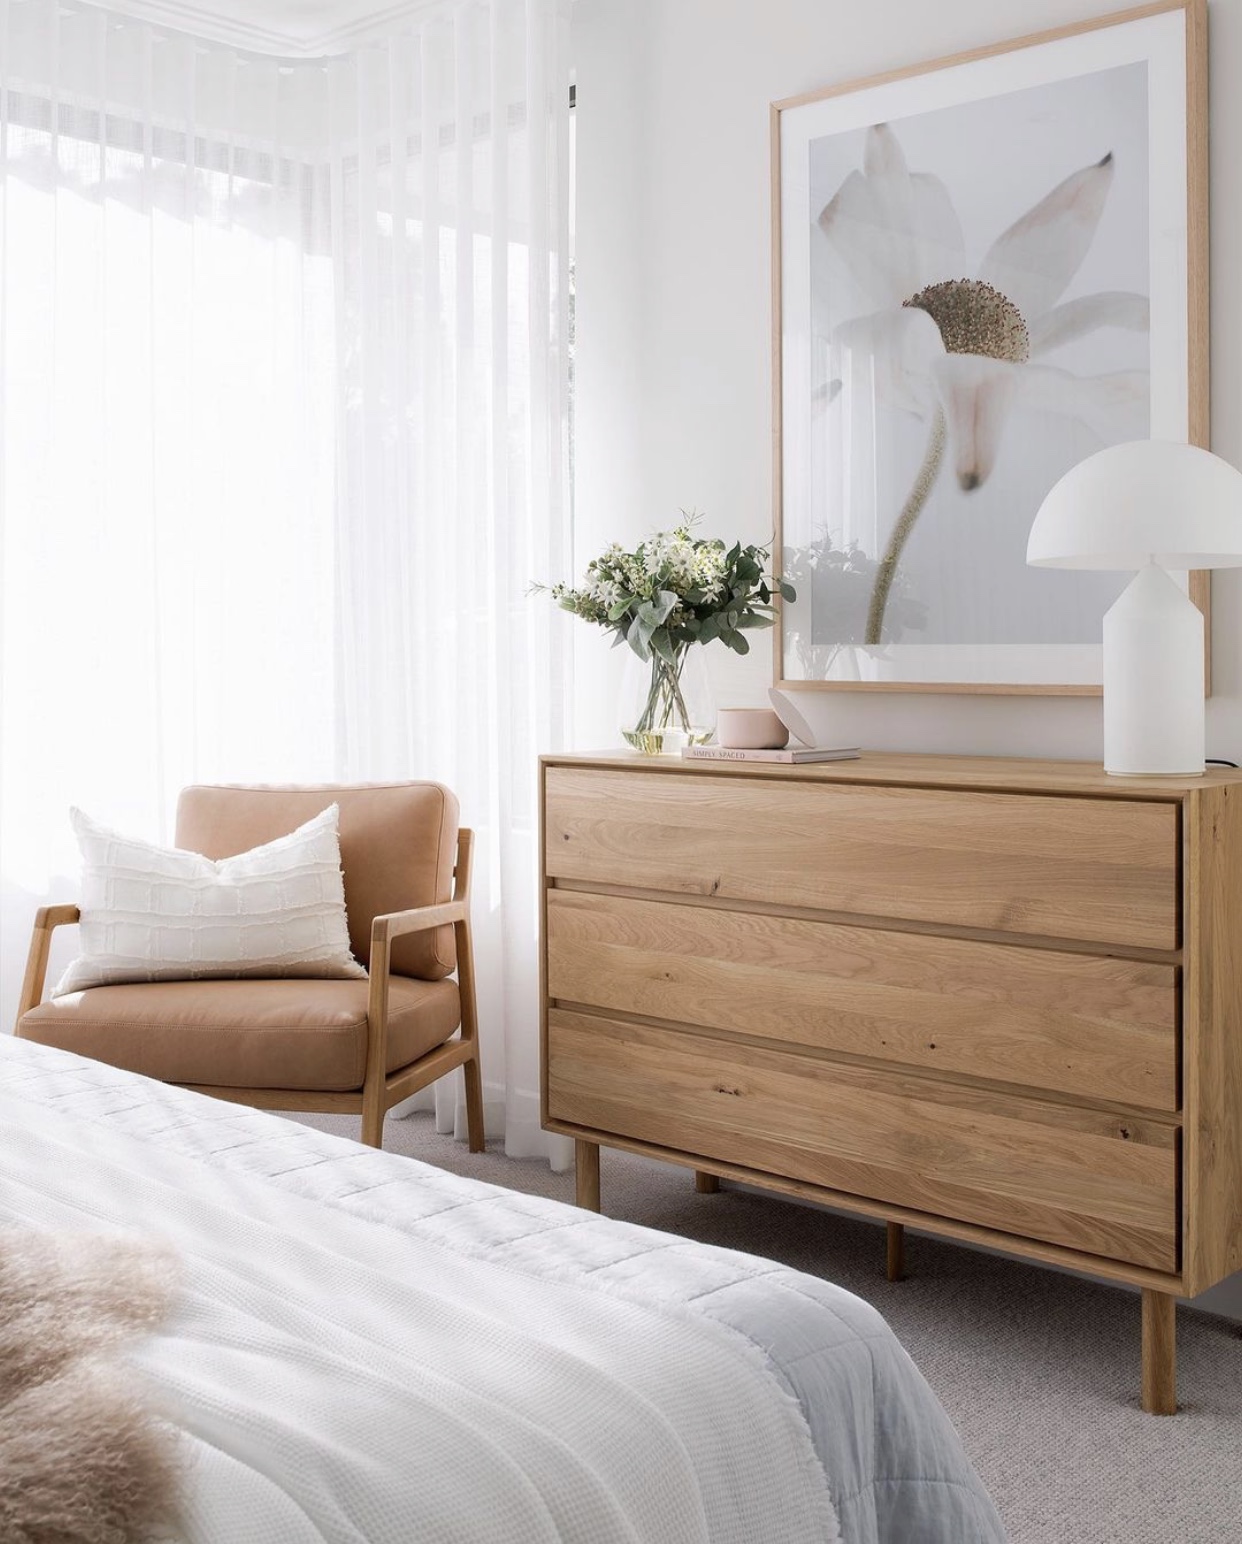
[(367, 1349)]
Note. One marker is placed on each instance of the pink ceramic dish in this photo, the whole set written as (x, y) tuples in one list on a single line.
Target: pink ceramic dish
[(750, 729)]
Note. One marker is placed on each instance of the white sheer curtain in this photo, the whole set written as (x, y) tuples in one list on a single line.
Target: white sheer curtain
[(282, 440)]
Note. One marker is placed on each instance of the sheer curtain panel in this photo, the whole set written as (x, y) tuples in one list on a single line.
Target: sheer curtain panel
[(283, 362)]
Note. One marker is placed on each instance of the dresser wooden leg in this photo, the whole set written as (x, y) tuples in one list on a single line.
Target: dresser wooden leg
[(586, 1163), (1159, 1353), (706, 1184), (896, 1264)]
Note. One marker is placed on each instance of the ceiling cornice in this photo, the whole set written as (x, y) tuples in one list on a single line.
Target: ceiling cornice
[(286, 28)]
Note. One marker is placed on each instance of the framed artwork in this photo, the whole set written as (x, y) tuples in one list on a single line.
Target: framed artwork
[(985, 269)]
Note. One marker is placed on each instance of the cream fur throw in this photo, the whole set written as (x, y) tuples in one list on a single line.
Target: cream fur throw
[(81, 1459)]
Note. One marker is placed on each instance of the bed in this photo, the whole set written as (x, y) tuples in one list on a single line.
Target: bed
[(367, 1348)]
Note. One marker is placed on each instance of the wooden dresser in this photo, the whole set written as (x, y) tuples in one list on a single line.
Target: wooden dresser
[(999, 1000)]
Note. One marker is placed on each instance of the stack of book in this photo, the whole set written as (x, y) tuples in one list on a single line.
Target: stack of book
[(791, 755)]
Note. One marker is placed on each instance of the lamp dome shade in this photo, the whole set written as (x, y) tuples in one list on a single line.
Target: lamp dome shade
[(1145, 501)]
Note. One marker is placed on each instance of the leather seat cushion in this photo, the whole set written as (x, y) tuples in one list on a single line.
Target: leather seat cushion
[(246, 1034)]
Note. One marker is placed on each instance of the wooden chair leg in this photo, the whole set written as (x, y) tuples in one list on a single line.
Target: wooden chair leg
[(895, 1265), (1159, 1353), (586, 1158), (375, 1100), (474, 1103), (706, 1184), (372, 1123), (469, 1001)]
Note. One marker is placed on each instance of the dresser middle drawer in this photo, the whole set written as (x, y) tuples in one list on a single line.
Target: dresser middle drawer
[(1079, 1024)]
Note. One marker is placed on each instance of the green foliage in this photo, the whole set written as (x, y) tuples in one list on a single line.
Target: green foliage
[(675, 590)]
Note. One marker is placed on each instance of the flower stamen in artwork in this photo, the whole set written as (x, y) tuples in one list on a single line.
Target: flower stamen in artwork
[(974, 318)]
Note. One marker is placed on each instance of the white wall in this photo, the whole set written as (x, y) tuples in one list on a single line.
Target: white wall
[(674, 338)]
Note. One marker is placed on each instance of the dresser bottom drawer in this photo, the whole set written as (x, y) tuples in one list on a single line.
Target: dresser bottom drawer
[(1061, 1174)]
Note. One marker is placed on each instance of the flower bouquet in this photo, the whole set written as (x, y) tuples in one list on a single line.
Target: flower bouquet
[(673, 591)]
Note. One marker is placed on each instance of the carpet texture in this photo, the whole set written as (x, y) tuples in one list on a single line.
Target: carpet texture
[(1038, 1370)]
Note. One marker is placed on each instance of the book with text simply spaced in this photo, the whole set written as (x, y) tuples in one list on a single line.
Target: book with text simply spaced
[(799, 754)]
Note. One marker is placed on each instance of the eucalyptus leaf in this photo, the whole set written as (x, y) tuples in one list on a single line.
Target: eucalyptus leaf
[(662, 645), (637, 639)]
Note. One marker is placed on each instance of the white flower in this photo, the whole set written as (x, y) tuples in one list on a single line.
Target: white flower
[(971, 346), (669, 557), (709, 565), (631, 572)]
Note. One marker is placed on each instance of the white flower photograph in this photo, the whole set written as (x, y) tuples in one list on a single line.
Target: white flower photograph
[(967, 306)]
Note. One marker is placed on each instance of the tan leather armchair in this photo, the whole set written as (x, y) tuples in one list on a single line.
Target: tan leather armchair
[(306, 1044)]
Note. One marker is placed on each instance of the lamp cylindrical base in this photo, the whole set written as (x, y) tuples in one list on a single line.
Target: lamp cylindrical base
[(1153, 680)]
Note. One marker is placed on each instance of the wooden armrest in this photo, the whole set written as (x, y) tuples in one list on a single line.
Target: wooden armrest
[(47, 918), (56, 916), (384, 930), (421, 919)]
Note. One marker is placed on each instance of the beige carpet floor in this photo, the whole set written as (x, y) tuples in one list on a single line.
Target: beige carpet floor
[(1039, 1371)]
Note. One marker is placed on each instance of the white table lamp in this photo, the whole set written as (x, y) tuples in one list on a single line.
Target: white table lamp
[(1151, 505)]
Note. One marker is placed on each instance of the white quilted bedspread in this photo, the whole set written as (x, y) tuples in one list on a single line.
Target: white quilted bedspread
[(368, 1348)]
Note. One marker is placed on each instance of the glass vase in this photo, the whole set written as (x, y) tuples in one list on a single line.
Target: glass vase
[(667, 703)]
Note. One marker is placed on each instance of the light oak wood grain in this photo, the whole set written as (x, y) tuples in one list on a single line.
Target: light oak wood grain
[(1159, 1353), (586, 1175), (543, 934), (47, 920), (862, 920), (1080, 1024), (895, 1251), (897, 769), (1213, 1055), (1123, 1119), (1081, 1106), (990, 50), (886, 1211), (1035, 1169), (1063, 867)]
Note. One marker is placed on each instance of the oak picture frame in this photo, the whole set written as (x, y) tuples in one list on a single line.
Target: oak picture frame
[(1025, 669)]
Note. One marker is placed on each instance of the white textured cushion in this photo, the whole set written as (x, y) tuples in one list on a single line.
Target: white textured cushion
[(160, 914)]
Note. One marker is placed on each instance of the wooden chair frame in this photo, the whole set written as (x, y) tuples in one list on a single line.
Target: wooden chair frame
[(380, 1090)]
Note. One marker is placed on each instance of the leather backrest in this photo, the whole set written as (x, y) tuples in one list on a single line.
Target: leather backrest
[(398, 847)]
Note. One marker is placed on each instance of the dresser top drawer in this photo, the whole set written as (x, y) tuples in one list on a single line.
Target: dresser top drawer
[(1090, 870)]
